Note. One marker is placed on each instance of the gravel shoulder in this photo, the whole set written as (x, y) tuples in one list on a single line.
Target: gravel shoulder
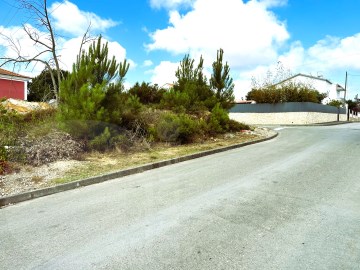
[(28, 178)]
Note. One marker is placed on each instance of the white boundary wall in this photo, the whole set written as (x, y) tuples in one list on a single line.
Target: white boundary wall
[(286, 118)]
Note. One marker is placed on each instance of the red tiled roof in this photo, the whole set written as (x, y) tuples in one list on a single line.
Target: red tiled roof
[(13, 74)]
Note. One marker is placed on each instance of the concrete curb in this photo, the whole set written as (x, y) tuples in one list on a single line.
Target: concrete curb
[(310, 125), (105, 177), (331, 123), (325, 124)]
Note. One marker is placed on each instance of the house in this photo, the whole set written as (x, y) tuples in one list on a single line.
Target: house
[(167, 86), (13, 85), (334, 91), (244, 102)]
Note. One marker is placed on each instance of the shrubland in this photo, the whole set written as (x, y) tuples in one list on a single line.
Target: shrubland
[(96, 113)]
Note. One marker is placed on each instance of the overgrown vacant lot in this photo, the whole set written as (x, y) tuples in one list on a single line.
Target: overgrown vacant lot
[(98, 126), (40, 149), (25, 177)]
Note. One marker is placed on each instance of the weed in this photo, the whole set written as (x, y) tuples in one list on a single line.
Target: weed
[(37, 179)]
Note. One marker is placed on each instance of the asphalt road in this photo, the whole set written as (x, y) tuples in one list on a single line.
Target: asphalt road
[(289, 203)]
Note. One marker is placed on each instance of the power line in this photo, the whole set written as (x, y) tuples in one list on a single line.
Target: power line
[(57, 7), (8, 14), (29, 18), (7, 3)]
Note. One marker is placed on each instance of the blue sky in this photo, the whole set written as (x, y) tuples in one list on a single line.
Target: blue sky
[(317, 37)]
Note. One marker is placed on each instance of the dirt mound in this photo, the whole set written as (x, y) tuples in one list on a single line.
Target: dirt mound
[(52, 147), (23, 106)]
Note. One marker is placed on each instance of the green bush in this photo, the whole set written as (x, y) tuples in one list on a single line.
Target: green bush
[(122, 142), (287, 92), (188, 129), (219, 120), (3, 153), (167, 129), (177, 128), (335, 103), (176, 101), (235, 126), (102, 141), (81, 111), (147, 94), (131, 111)]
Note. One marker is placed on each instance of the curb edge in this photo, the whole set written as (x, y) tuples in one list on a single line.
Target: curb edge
[(12, 199)]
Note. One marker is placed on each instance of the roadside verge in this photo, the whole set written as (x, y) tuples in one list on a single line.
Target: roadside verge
[(12, 199)]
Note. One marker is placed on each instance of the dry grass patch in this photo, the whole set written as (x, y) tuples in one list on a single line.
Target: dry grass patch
[(100, 163), (97, 163), (37, 179)]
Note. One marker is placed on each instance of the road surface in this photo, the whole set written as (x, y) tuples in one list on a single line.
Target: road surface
[(289, 203)]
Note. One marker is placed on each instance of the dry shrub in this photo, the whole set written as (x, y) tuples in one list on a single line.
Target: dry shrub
[(49, 148), (135, 139), (5, 167)]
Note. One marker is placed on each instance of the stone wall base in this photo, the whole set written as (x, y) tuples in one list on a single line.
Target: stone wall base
[(287, 118)]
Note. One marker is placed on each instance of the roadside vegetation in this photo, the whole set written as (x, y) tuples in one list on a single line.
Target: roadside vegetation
[(353, 105), (276, 89), (336, 103), (96, 113), (285, 92)]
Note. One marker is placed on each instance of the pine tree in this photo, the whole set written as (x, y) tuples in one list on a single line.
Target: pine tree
[(184, 73), (94, 67), (85, 107), (221, 82), (191, 86)]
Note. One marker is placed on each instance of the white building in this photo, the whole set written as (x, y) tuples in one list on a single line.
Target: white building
[(333, 90)]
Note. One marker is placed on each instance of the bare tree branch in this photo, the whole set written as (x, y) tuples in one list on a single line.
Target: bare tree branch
[(34, 36), (85, 39), (46, 44)]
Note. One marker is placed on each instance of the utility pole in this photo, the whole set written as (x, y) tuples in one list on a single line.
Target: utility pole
[(346, 75), (348, 112)]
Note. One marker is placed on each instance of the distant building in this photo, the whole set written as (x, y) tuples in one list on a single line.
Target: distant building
[(244, 102), (167, 86), (13, 85), (357, 99), (334, 91)]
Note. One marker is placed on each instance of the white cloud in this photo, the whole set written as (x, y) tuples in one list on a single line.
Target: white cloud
[(147, 63), (337, 53), (274, 3), (330, 57), (327, 56), (170, 4), (164, 73), (15, 42), (67, 50), (70, 49), (67, 17), (248, 32)]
